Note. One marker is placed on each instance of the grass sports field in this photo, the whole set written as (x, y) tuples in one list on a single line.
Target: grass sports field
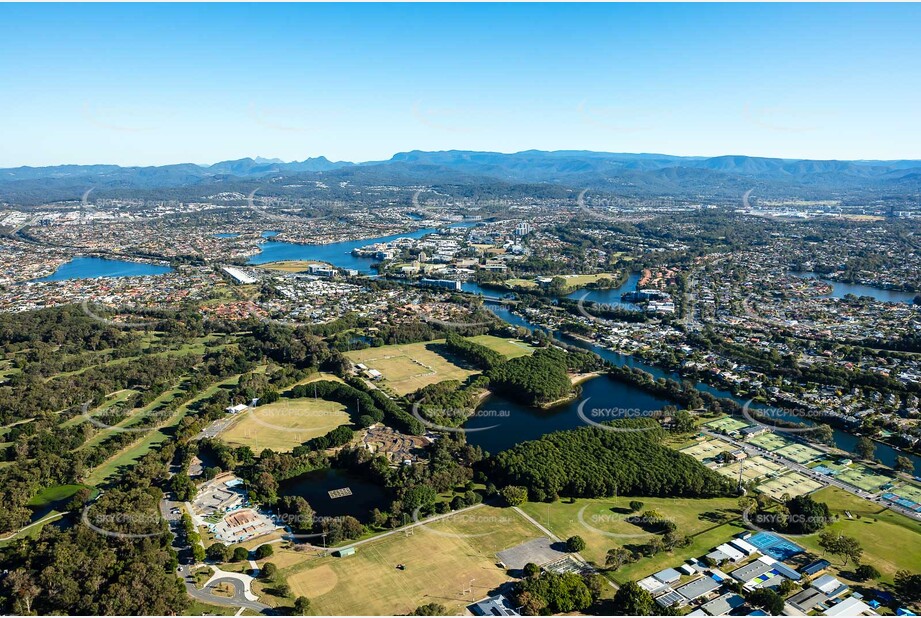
[(441, 559), (707, 449), (727, 423), (800, 453), (863, 477), (573, 282), (291, 266), (753, 468), (793, 484), (884, 535), (602, 522), (407, 368), (510, 348), (769, 441), (285, 424)]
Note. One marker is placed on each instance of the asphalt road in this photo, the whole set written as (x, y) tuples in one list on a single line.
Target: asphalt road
[(206, 596), (821, 478)]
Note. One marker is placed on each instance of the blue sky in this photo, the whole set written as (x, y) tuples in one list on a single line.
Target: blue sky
[(154, 84)]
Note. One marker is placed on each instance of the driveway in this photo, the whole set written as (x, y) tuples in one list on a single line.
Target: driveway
[(241, 590)]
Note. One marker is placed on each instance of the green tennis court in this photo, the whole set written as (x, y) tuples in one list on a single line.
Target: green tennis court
[(800, 453), (727, 423), (769, 441), (753, 469), (863, 477), (707, 449), (793, 484)]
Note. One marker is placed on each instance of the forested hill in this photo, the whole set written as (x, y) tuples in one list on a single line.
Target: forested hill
[(459, 173), (591, 462)]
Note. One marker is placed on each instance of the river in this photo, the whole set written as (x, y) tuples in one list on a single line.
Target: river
[(519, 423), (607, 393)]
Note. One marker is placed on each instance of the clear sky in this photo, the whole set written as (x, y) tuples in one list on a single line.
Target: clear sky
[(155, 84)]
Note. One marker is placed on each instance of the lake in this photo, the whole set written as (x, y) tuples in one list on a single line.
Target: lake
[(314, 487), (92, 267), (840, 290), (338, 254), (512, 422)]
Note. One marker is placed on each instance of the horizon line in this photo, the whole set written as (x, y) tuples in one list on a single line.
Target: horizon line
[(495, 152)]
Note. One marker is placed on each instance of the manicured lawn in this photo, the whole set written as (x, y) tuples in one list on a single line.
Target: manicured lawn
[(602, 522), (139, 416), (53, 494), (800, 453), (510, 348), (726, 423), (197, 608), (407, 368), (440, 563), (521, 283), (129, 455), (701, 545), (290, 266), (770, 441), (285, 424), (110, 400), (320, 375), (792, 484), (574, 282), (890, 541), (864, 477)]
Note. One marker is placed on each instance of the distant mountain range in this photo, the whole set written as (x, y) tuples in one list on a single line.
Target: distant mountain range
[(619, 173)]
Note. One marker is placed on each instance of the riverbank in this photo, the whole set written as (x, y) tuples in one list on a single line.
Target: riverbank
[(844, 440)]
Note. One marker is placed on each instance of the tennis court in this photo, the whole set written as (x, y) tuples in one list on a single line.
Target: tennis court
[(727, 423), (907, 496), (757, 581), (863, 477), (774, 545), (769, 441), (793, 484), (707, 449), (753, 469), (800, 453), (909, 492)]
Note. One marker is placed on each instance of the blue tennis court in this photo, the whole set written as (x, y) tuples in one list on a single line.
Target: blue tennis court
[(775, 546), (903, 502)]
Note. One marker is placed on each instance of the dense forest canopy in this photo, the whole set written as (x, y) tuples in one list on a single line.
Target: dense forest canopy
[(592, 462)]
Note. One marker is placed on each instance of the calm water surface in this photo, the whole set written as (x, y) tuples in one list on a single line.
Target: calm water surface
[(92, 267)]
